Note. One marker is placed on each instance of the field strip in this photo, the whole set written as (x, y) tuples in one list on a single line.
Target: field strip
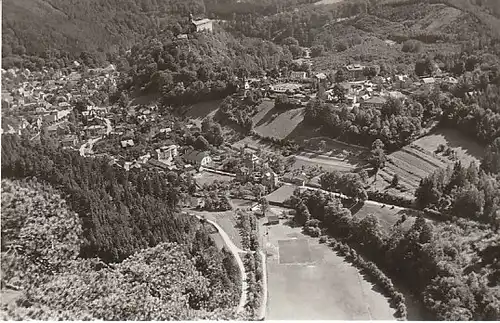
[(403, 174), (419, 162), (413, 170), (435, 160)]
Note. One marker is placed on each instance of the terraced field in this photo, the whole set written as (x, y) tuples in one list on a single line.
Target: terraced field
[(418, 160)]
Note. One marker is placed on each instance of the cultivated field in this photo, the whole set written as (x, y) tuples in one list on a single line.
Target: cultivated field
[(418, 160), (308, 281), (327, 163)]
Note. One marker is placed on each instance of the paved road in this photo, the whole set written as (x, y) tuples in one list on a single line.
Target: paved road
[(87, 147)]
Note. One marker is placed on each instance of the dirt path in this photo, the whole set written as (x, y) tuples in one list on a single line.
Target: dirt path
[(235, 251)]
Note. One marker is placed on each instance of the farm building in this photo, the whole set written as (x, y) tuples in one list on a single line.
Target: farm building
[(375, 102)]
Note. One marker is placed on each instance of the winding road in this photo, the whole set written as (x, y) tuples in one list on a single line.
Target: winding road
[(87, 147), (235, 251)]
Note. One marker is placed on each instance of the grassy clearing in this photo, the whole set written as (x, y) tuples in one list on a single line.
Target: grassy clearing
[(208, 178), (467, 150), (339, 293), (281, 194), (198, 111), (270, 122), (387, 216)]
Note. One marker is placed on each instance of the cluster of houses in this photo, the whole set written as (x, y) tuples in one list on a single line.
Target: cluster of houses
[(359, 90), (256, 171), (47, 97)]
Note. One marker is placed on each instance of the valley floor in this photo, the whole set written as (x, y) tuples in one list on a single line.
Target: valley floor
[(307, 280)]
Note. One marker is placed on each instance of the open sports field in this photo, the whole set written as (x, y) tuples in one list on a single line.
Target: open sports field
[(419, 159), (308, 281)]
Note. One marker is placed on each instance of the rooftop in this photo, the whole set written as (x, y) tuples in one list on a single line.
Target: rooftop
[(201, 21)]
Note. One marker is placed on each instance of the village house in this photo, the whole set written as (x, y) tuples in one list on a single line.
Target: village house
[(273, 219), (127, 143), (355, 72), (251, 161), (374, 102), (298, 75), (167, 153), (144, 159), (243, 174), (270, 179), (198, 158), (202, 24), (94, 130)]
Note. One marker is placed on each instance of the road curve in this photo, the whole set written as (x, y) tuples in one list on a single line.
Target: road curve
[(235, 250)]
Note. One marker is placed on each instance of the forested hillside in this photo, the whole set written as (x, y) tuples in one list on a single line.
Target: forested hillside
[(203, 67), (41, 238), (123, 212), (61, 30)]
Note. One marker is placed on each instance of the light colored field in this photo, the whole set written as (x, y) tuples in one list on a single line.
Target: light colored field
[(327, 163), (270, 122), (466, 149), (208, 178), (419, 160), (308, 281), (281, 194), (387, 216), (8, 296)]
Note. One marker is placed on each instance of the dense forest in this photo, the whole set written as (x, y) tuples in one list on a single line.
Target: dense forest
[(57, 30), (41, 238), (123, 212), (452, 267), (204, 67)]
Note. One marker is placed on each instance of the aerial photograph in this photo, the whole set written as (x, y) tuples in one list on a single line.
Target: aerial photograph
[(250, 160)]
